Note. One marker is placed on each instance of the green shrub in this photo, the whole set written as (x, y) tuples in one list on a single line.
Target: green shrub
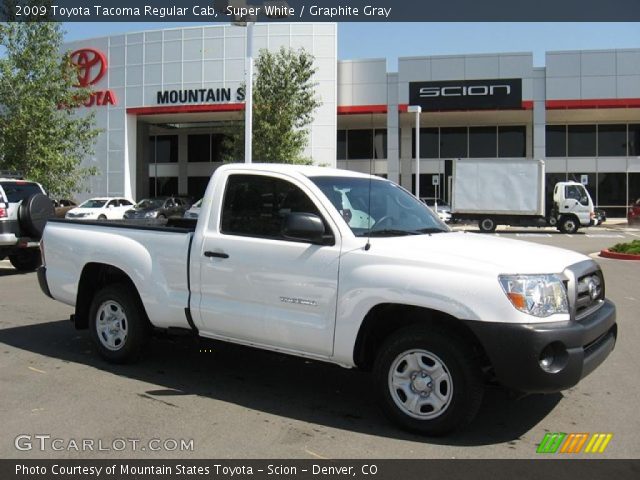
[(630, 248)]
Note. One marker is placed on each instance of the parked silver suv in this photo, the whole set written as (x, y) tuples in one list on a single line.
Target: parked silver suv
[(24, 211)]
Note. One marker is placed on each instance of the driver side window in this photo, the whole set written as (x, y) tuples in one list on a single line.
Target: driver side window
[(255, 205)]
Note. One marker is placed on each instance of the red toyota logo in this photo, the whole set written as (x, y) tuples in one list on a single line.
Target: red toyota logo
[(91, 64)]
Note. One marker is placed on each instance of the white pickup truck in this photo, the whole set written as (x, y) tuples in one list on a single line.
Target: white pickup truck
[(345, 268)]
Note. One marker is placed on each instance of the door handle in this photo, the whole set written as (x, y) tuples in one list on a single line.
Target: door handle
[(216, 254)]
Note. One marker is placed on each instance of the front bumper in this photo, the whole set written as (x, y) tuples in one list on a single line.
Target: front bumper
[(515, 349)]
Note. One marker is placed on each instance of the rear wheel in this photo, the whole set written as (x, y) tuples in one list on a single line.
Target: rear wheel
[(102, 217), (487, 225), (118, 324), (26, 261), (427, 381)]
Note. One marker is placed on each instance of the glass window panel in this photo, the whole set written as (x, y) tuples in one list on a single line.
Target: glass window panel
[(151, 150), (167, 149), (612, 189), (483, 142), (556, 140), (634, 140), (428, 143), (359, 144), (453, 142), (380, 143), (161, 186), (612, 140), (199, 148), (342, 145), (512, 141), (581, 140), (196, 186)]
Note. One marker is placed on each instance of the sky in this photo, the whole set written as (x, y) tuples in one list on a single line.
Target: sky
[(393, 40)]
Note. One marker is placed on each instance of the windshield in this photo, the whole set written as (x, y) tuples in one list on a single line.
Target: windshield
[(148, 203), (378, 207), (198, 204), (93, 204)]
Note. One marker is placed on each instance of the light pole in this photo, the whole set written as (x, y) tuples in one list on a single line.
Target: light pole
[(249, 21), (417, 109), (248, 99)]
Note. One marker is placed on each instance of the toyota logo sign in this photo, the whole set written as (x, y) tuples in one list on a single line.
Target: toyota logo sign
[(91, 64)]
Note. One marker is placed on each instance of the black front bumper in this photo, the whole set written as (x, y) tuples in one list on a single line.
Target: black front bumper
[(515, 349)]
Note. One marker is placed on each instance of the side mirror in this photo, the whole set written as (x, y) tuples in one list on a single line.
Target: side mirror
[(110, 206), (303, 227)]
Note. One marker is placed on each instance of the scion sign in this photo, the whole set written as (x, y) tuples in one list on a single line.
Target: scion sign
[(503, 93)]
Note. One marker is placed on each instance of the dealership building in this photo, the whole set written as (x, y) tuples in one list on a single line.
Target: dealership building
[(165, 100)]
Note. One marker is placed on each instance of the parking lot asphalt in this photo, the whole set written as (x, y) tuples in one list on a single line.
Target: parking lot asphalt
[(236, 402)]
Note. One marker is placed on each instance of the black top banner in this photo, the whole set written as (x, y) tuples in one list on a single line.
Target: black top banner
[(503, 93), (320, 10)]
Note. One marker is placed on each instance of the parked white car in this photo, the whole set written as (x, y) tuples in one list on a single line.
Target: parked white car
[(194, 211), (107, 208)]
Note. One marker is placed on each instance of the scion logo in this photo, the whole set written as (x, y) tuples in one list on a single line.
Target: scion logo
[(91, 64), (501, 93)]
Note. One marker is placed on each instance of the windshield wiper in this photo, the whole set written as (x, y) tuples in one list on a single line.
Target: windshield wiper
[(389, 232), (431, 230)]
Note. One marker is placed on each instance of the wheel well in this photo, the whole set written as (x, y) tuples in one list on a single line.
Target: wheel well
[(94, 277), (385, 319)]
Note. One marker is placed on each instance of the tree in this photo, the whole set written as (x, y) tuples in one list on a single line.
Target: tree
[(284, 102), (41, 133)]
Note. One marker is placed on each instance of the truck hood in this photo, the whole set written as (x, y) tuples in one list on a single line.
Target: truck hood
[(479, 252)]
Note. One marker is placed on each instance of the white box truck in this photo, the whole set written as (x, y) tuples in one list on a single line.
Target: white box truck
[(511, 191)]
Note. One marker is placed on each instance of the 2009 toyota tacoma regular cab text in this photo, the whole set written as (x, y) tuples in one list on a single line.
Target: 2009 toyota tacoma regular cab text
[(346, 268)]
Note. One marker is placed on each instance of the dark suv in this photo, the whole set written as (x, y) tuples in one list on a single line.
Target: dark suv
[(24, 211)]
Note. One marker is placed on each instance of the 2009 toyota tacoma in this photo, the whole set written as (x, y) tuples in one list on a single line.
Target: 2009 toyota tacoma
[(345, 268)]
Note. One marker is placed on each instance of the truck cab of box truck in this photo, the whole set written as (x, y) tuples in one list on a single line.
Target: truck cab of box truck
[(572, 207)]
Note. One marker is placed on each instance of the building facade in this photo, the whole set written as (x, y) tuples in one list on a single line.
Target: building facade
[(165, 99)]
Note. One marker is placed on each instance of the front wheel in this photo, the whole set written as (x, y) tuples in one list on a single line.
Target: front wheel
[(568, 225), (26, 261), (427, 381), (118, 324)]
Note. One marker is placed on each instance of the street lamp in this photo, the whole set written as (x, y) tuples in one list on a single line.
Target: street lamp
[(249, 21), (417, 109)]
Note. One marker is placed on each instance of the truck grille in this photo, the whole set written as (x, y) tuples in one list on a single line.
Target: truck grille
[(590, 293), (585, 288)]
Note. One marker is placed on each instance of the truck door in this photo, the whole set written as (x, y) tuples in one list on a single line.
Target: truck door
[(257, 286), (578, 202)]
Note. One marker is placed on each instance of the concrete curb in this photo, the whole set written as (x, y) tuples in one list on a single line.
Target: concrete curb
[(618, 256)]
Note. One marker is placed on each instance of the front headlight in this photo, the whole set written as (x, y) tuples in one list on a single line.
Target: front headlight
[(152, 214), (537, 295)]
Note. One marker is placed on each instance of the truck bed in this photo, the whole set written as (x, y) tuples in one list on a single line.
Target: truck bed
[(142, 251)]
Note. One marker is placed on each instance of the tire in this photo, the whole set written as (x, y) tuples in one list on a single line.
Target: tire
[(33, 214), (568, 225), (118, 324), (460, 383), (102, 217), (487, 225), (552, 221), (161, 217), (26, 261)]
